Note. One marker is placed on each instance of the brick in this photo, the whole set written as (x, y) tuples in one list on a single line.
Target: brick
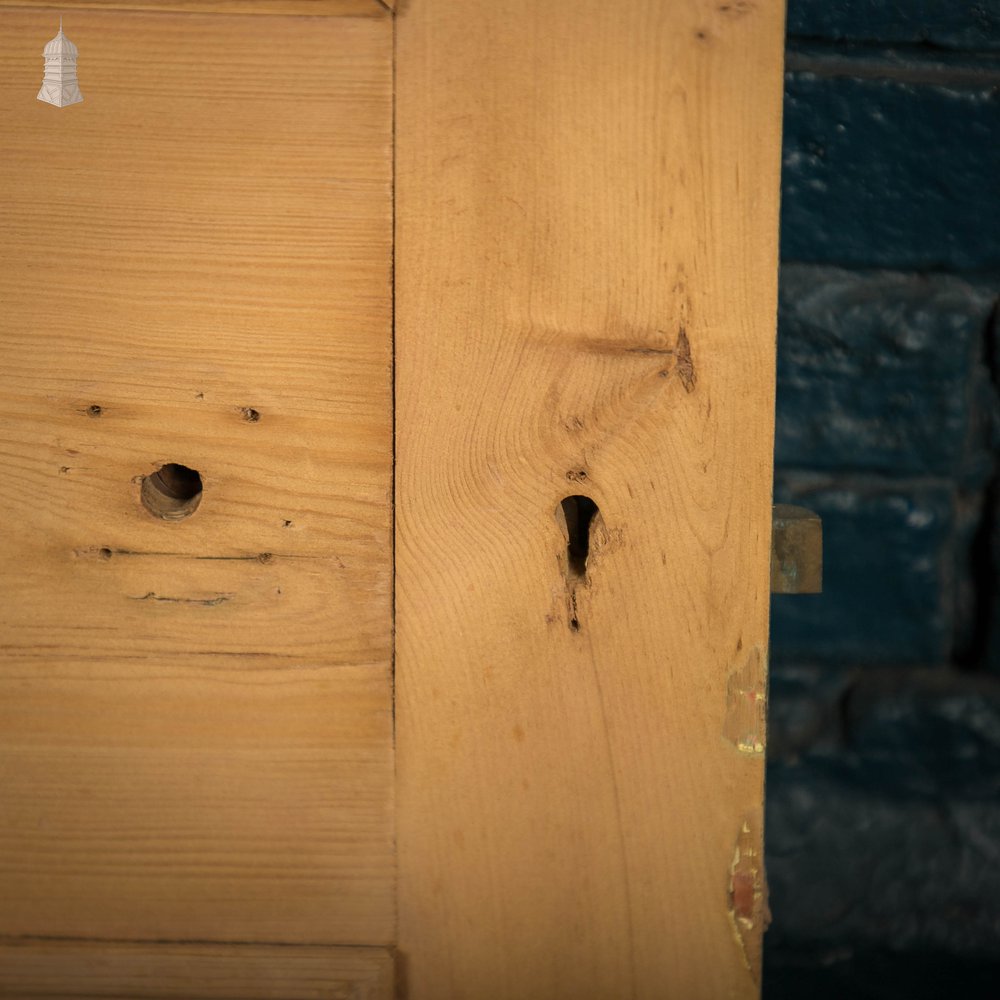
[(884, 832), (805, 707), (930, 734), (889, 573), (846, 863), (890, 173), (957, 24), (882, 371)]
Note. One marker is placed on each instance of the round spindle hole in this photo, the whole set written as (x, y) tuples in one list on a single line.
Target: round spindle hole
[(172, 493)]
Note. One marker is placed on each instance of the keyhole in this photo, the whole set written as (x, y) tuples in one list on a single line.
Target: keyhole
[(579, 512)]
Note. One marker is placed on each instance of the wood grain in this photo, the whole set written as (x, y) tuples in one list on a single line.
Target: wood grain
[(153, 801), (196, 737), (59, 969), (314, 8), (586, 257)]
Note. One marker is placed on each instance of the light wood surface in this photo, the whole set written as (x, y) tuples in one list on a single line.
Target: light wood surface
[(330, 8), (58, 969), (196, 734), (586, 257), (196, 717)]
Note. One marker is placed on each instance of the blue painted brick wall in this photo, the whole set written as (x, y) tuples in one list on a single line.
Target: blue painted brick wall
[(883, 371), (883, 813), (887, 594), (890, 276), (890, 162)]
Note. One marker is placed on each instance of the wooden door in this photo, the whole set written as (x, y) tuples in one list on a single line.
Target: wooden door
[(386, 414)]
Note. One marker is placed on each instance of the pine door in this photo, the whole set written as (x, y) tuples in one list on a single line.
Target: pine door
[(386, 419)]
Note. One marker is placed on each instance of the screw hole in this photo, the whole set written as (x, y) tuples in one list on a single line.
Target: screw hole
[(172, 493)]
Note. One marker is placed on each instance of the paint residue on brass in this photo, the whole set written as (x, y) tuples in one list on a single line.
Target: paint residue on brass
[(746, 704), (746, 896)]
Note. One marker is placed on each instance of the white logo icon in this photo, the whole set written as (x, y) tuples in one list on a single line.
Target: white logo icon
[(59, 86)]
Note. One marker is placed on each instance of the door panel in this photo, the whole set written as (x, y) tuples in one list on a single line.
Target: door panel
[(196, 715)]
